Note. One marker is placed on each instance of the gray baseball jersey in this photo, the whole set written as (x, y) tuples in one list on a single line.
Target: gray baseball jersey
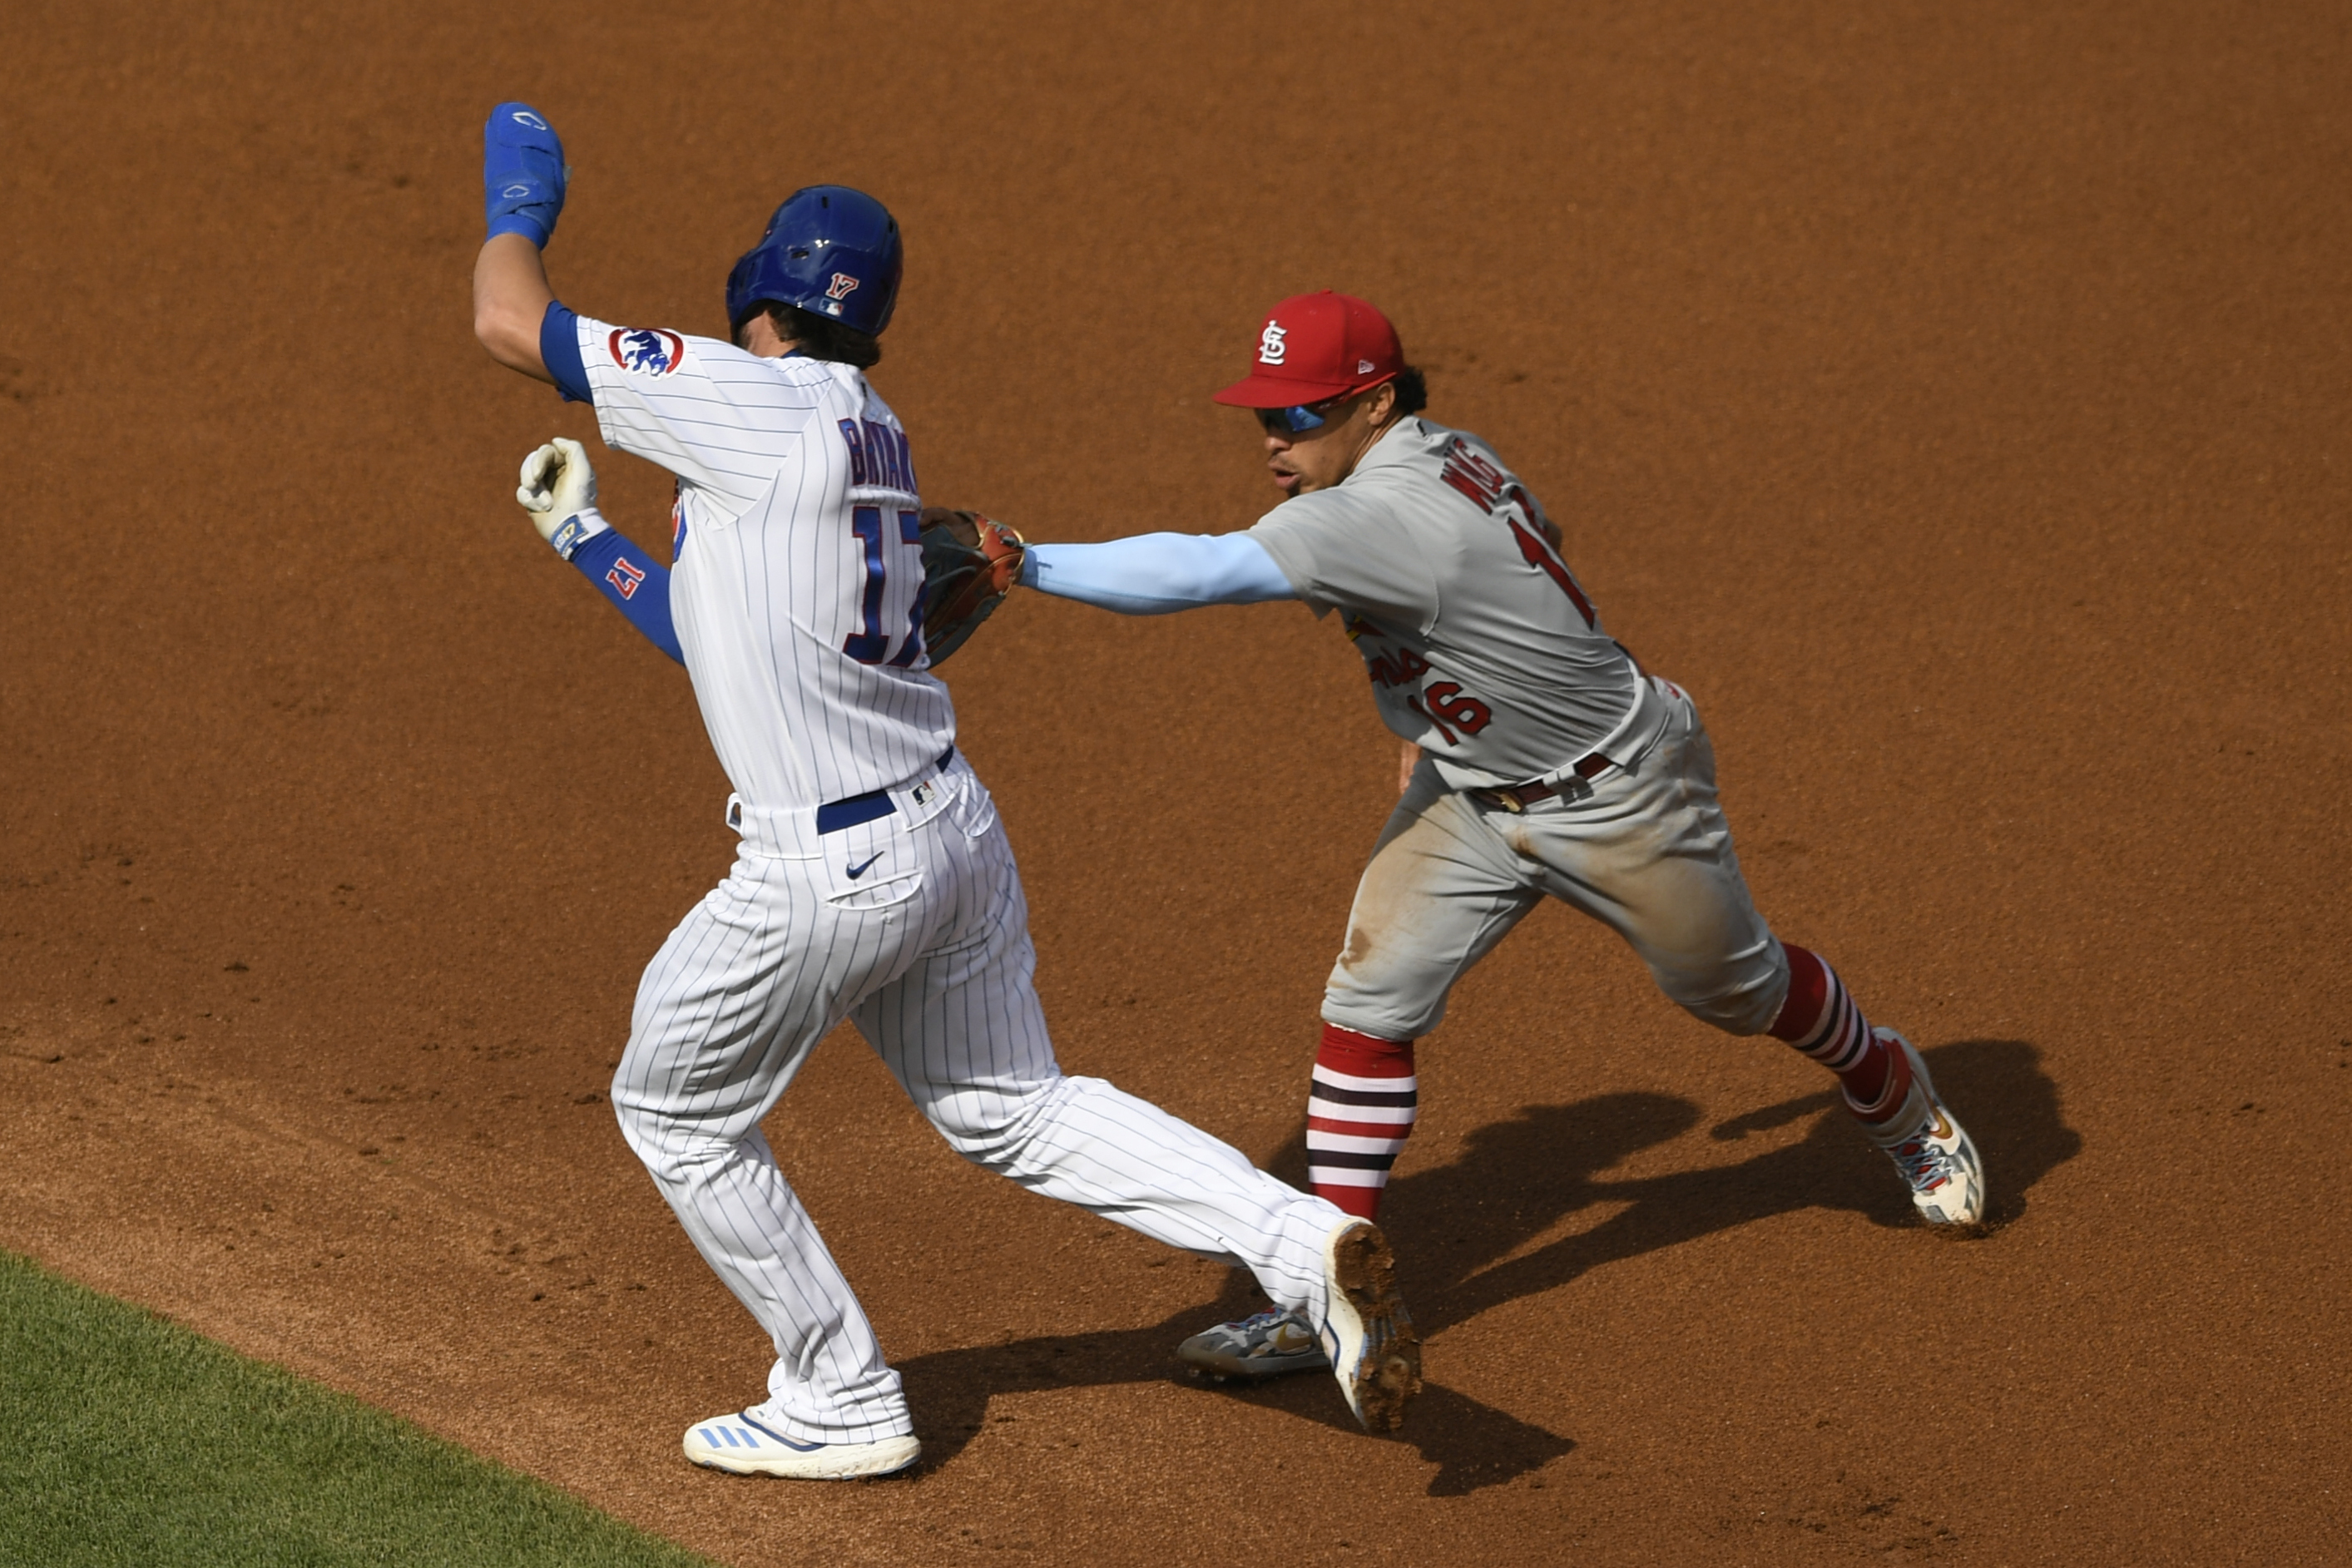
[(1482, 647)]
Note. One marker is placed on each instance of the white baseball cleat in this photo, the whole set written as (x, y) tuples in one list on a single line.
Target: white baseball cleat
[(1930, 1149), (742, 1445), (1367, 1333), (1268, 1345)]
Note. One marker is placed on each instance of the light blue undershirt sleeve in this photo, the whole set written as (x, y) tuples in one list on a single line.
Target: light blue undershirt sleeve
[(1152, 574)]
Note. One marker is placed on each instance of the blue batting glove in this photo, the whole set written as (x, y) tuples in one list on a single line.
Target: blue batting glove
[(523, 172)]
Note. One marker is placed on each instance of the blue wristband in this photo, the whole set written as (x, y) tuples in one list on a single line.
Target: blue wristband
[(523, 174)]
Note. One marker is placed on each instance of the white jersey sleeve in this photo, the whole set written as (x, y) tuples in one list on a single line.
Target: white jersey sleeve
[(717, 417)]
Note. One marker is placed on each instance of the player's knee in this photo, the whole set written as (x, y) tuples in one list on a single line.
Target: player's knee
[(1380, 987), (669, 1143), (990, 1124), (641, 1123), (1384, 1005)]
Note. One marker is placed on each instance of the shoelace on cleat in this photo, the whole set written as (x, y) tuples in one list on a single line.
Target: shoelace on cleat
[(1262, 1334), (1923, 1165)]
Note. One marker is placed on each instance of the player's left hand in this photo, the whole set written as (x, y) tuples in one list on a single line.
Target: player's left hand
[(523, 174), (559, 491)]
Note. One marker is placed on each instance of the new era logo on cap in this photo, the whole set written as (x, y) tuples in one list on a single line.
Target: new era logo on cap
[(1315, 346)]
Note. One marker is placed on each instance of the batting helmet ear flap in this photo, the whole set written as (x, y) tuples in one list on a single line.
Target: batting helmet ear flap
[(829, 250)]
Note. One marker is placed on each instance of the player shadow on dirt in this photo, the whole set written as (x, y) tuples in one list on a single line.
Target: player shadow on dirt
[(1474, 1445), (1459, 1225), (1460, 1229)]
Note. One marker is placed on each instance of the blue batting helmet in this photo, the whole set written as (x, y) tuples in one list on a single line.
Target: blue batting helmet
[(831, 251)]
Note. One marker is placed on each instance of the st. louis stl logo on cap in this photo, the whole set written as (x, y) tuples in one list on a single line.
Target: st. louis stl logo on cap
[(1270, 348)]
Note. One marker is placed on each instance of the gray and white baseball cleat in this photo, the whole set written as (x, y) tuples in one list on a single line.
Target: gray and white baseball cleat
[(1930, 1149), (1270, 1344)]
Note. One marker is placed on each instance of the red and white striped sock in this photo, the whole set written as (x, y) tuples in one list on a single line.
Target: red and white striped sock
[(1819, 1018), (1358, 1115)]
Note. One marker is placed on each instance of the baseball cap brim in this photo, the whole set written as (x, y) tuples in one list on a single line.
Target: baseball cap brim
[(1262, 390)]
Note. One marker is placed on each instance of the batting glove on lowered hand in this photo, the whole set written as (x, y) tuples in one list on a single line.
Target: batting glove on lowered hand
[(559, 491), (523, 174)]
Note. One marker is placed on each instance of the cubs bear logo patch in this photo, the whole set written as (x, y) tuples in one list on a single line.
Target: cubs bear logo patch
[(647, 350)]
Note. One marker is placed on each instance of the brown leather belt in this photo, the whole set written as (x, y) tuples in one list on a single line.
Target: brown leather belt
[(1519, 797), (1634, 733)]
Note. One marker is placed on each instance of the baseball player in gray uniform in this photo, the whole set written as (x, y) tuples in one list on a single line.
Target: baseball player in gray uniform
[(873, 882), (1545, 763)]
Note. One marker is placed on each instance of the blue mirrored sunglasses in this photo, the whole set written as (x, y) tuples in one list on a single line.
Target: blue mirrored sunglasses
[(1297, 419)]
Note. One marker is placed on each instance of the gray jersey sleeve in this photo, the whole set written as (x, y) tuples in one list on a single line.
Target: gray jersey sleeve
[(1343, 551)]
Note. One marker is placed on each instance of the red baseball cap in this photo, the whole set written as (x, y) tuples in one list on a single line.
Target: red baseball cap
[(1315, 347)]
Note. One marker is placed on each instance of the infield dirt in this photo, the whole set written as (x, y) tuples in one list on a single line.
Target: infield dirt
[(1953, 399)]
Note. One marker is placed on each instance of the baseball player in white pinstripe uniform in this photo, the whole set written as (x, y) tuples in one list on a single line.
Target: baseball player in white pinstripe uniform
[(873, 881)]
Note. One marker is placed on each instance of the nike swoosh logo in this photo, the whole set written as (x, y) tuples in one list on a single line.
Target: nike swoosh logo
[(857, 871)]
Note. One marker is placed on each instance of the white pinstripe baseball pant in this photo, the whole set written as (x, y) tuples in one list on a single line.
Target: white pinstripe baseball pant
[(927, 949)]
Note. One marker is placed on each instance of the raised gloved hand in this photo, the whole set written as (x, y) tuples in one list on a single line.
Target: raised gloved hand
[(559, 491), (970, 564), (523, 174)]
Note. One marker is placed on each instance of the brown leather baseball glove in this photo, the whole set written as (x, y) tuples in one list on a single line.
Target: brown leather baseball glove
[(970, 565)]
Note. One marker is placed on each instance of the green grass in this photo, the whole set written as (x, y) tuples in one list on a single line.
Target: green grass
[(126, 1439)]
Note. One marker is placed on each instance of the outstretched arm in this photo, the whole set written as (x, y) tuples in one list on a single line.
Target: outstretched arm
[(1153, 574)]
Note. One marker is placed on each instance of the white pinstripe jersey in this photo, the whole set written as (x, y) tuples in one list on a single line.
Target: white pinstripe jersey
[(798, 579)]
